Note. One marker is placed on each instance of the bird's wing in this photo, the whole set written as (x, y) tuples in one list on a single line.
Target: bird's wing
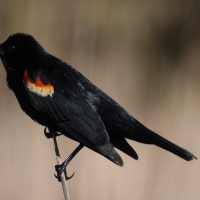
[(60, 97)]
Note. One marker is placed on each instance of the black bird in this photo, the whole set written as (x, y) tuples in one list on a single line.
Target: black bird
[(57, 96)]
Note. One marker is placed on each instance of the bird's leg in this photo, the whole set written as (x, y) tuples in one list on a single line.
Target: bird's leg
[(53, 133), (61, 168), (48, 133)]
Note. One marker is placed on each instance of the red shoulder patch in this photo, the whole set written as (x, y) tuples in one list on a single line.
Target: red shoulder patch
[(38, 86)]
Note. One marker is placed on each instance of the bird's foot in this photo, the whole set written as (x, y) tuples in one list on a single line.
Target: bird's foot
[(60, 169), (49, 135)]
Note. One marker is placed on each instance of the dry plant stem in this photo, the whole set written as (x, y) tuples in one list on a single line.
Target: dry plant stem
[(59, 162)]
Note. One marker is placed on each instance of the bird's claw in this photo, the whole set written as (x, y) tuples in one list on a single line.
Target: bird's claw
[(49, 135), (60, 169)]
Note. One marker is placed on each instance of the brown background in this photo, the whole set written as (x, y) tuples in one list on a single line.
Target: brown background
[(144, 54)]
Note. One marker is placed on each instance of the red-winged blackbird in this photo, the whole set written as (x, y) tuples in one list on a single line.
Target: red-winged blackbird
[(55, 95)]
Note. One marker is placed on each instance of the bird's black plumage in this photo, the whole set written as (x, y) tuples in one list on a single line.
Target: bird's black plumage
[(55, 95)]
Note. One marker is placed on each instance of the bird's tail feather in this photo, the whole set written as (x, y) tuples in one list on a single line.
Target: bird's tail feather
[(173, 148), (153, 138)]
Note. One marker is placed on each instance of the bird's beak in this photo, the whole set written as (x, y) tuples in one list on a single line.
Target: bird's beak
[(1, 51)]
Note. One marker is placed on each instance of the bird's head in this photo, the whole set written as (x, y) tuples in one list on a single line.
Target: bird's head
[(20, 50)]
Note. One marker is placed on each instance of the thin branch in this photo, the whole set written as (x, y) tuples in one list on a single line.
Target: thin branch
[(59, 162)]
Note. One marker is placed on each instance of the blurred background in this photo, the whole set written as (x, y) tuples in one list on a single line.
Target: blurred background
[(145, 55)]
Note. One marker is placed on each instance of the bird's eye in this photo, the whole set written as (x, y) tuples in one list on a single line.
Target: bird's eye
[(11, 47)]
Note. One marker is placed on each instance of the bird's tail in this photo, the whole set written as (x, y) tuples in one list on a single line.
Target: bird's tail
[(173, 148), (149, 137)]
